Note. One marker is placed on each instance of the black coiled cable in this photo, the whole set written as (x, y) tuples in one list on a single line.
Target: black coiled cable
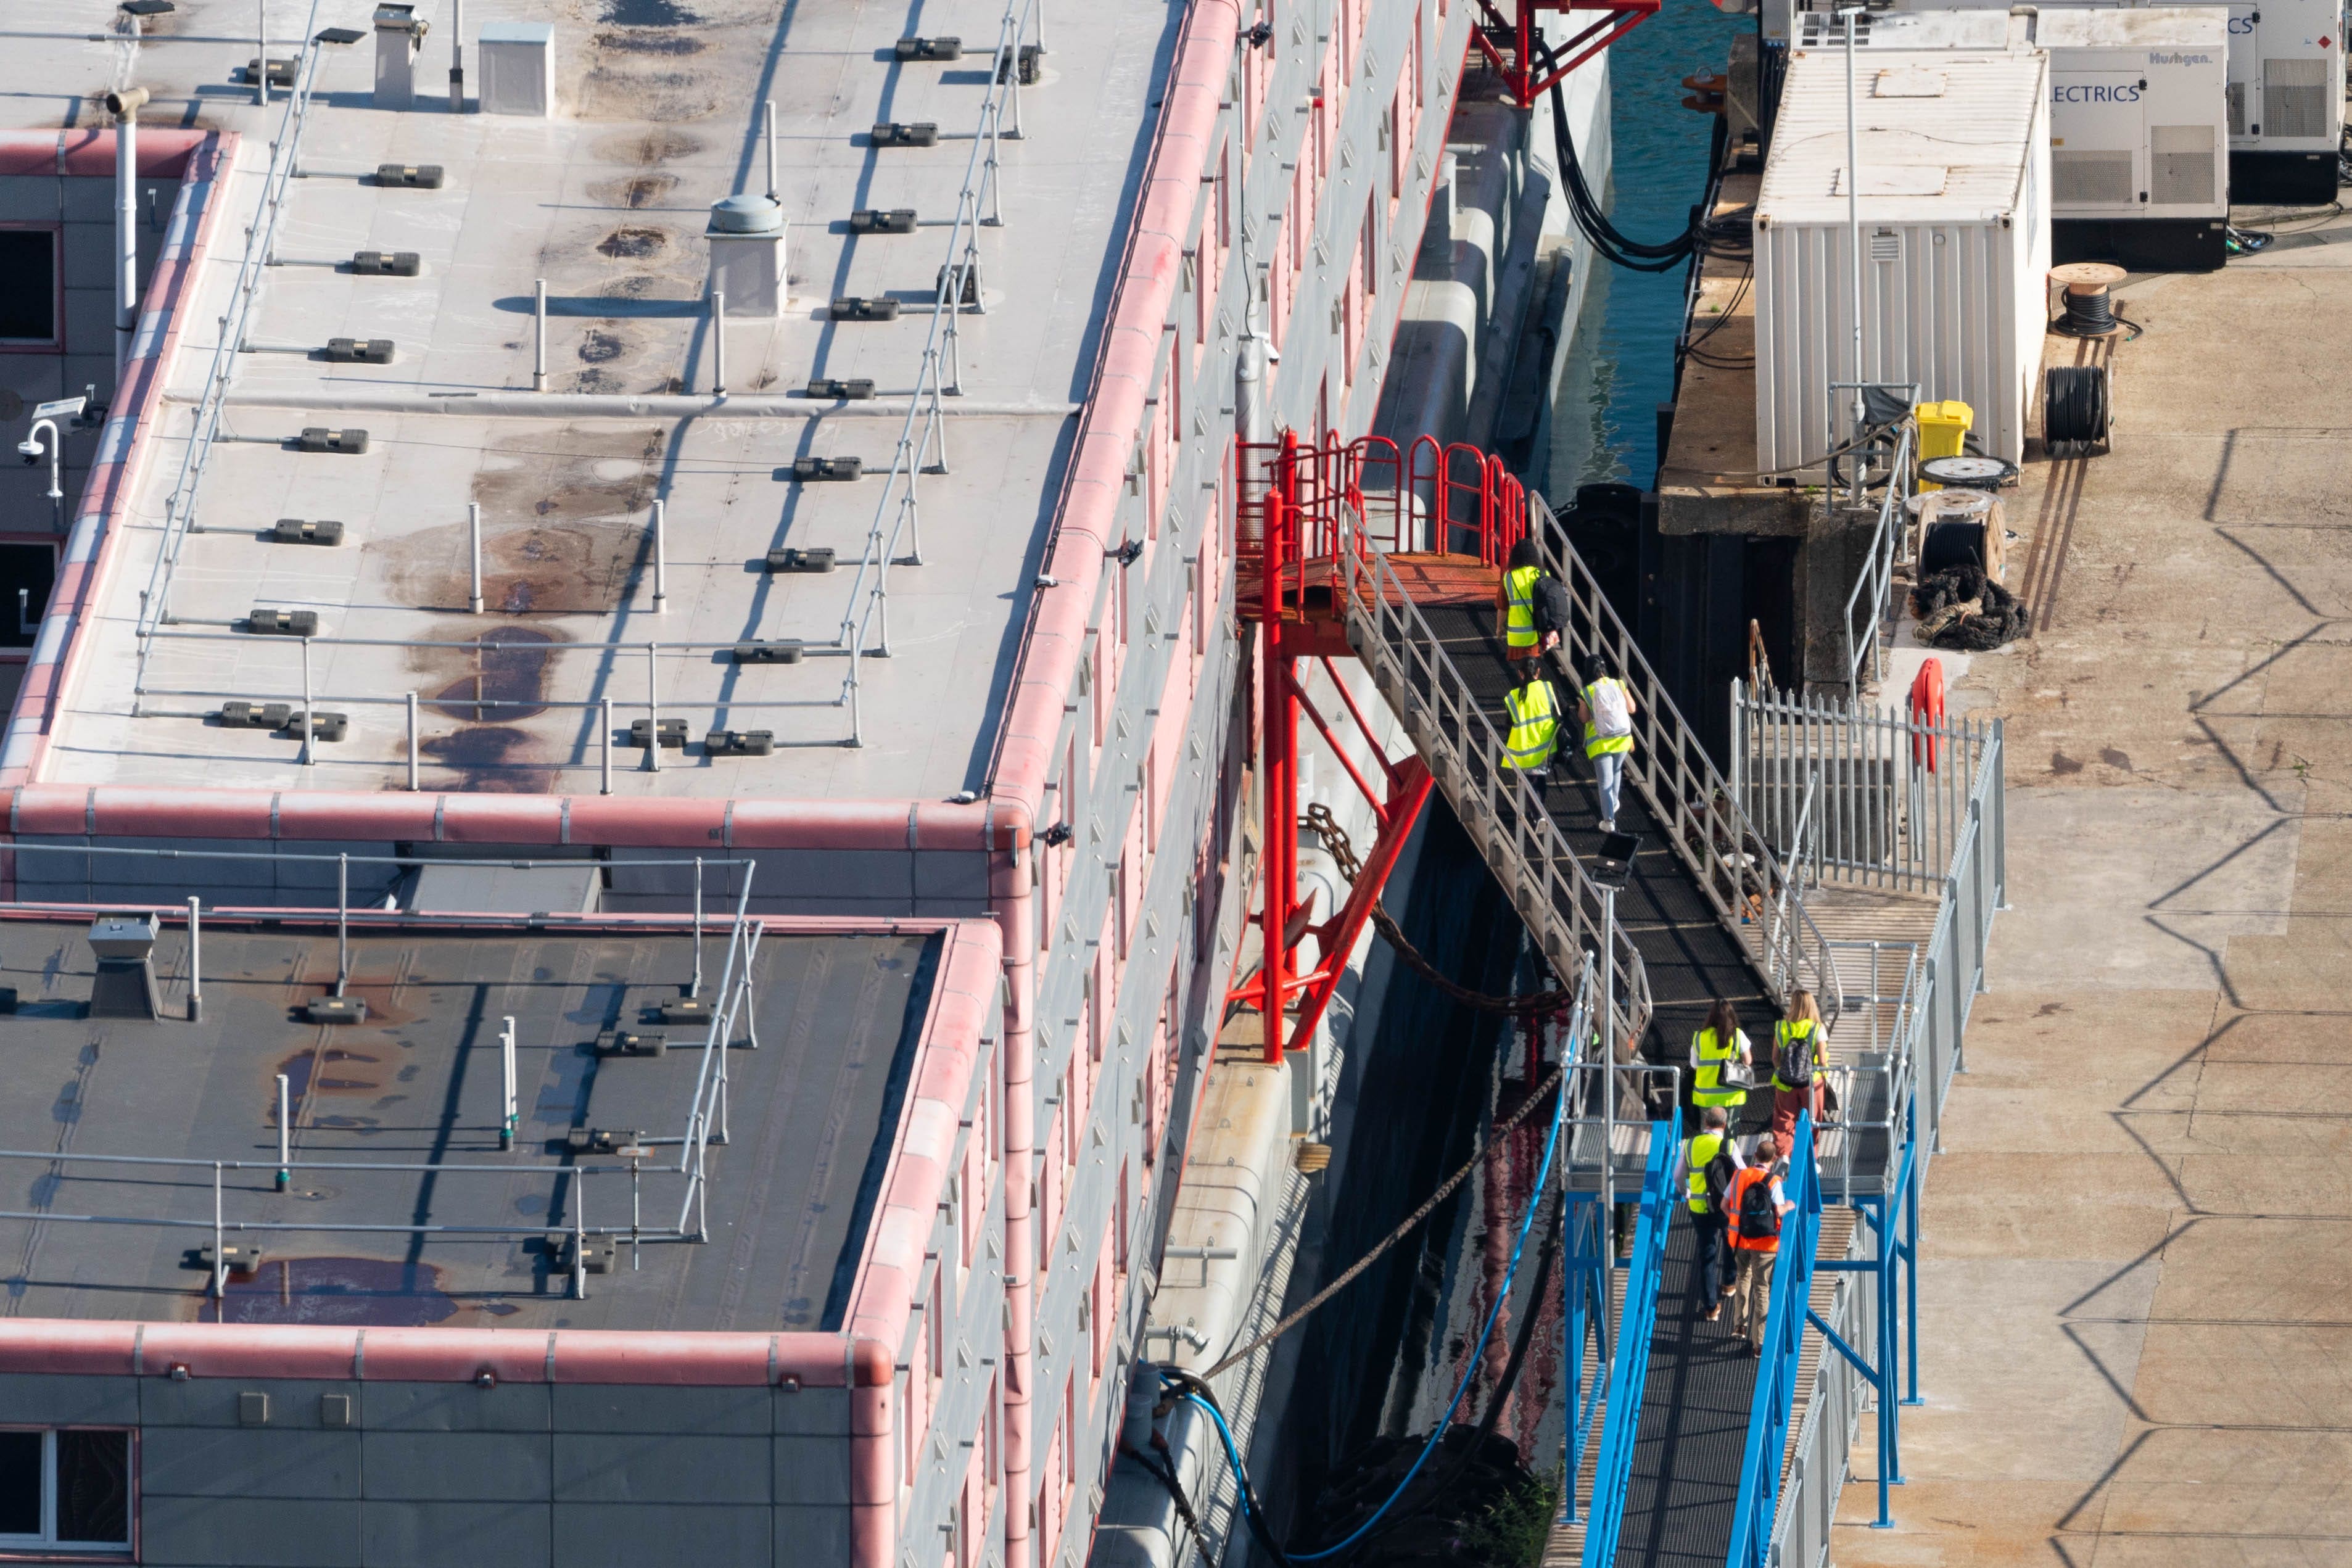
[(2075, 409), (2089, 315)]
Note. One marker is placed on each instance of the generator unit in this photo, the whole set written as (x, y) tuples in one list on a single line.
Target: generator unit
[(2139, 135), (2137, 118), (2285, 92), (1955, 235), (2286, 100)]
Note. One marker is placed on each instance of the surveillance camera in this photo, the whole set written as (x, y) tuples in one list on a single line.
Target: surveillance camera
[(30, 451)]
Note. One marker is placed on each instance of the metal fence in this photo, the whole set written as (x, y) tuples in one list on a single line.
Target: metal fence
[(1890, 796), (1915, 1058), (1818, 1461)]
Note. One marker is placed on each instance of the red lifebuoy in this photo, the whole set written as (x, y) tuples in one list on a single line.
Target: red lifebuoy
[(1927, 712)]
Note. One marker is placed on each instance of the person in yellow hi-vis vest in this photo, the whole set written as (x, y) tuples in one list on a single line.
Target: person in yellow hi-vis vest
[(1607, 709), (1704, 1174), (1713, 1049), (1533, 708), (1531, 605)]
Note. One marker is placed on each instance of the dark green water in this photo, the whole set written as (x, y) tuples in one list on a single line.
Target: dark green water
[(1604, 413)]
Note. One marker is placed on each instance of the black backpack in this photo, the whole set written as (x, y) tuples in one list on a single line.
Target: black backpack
[(1795, 1066), (1550, 605), (1760, 1217), (1719, 1173)]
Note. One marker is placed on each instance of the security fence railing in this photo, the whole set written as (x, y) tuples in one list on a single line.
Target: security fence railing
[(1891, 794)]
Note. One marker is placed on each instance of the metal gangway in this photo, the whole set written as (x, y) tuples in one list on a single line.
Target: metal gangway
[(1695, 1452)]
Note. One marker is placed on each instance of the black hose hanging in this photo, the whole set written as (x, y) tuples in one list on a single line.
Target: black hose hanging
[(1607, 239)]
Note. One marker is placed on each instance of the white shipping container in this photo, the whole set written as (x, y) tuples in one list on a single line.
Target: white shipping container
[(1954, 153)]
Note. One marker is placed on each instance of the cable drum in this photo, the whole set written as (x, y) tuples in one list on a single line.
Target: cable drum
[(2075, 409), (2090, 311)]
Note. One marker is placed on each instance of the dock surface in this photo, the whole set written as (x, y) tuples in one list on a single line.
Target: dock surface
[(2135, 1345)]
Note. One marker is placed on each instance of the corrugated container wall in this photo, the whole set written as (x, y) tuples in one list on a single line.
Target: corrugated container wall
[(1954, 153)]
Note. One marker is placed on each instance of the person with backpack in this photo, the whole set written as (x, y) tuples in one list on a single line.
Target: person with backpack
[(1531, 606), (1799, 1047), (1757, 1204), (1709, 1162), (1713, 1049), (1606, 709), (1533, 709)]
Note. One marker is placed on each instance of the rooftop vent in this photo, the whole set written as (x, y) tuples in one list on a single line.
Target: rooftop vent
[(283, 622), (255, 715), (240, 1259), (600, 1140), (598, 1260), (359, 351), (631, 1043), (387, 263), (1030, 56), (824, 468), (740, 744), (673, 733), (971, 284), (125, 949)]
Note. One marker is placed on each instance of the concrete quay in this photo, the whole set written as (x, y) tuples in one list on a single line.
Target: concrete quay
[(2136, 1280)]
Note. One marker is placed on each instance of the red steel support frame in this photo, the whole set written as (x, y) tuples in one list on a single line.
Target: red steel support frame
[(1516, 59), (1283, 921)]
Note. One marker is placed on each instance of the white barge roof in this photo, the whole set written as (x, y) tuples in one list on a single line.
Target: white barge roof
[(607, 202)]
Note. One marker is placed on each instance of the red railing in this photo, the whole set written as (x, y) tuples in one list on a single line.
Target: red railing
[(1297, 501)]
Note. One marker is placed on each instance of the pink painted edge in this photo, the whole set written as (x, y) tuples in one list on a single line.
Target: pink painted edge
[(620, 1357), (1115, 408), (163, 154), (203, 161), (947, 1055)]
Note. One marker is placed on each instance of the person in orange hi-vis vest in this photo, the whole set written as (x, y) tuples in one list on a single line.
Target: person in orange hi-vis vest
[(1753, 1214)]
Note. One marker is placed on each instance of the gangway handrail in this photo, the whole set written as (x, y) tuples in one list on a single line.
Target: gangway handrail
[(1780, 1364), (1629, 1369), (1737, 871), (1568, 913), (1871, 586)]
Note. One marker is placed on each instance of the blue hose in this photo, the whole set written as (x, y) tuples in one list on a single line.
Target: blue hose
[(1233, 1454)]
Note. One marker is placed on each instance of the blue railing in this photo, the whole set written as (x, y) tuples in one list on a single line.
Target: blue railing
[(1629, 1367), (1777, 1369)]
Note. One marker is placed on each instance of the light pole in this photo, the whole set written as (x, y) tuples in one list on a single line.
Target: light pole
[(1853, 215)]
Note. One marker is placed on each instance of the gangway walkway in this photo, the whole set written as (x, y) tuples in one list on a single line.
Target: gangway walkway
[(1357, 550), (1368, 543)]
